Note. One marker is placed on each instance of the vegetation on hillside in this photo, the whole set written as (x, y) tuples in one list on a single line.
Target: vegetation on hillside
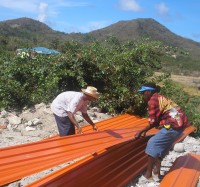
[(116, 69), (28, 33)]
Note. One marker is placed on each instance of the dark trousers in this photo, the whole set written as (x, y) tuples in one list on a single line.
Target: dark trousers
[(65, 127)]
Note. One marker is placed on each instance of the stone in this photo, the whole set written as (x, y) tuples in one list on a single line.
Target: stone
[(14, 120), (179, 147), (30, 128)]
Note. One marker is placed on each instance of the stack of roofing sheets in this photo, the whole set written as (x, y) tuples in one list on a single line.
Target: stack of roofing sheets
[(112, 150)]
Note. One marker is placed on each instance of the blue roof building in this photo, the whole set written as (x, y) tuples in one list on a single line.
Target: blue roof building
[(43, 50), (40, 50)]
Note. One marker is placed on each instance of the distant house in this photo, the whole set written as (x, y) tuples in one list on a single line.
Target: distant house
[(31, 52), (43, 50)]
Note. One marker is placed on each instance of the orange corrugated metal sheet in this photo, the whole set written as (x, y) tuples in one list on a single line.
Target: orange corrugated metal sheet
[(112, 167), (186, 132), (109, 167), (118, 122), (22, 160), (185, 172)]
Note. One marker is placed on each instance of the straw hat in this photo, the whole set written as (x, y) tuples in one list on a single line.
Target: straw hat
[(91, 91)]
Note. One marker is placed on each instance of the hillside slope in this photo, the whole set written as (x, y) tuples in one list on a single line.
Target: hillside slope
[(32, 30), (26, 32), (147, 28)]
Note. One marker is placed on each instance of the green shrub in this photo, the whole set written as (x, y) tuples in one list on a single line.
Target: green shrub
[(116, 69)]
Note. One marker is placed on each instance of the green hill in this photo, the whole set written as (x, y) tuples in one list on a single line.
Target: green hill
[(26, 32), (147, 28)]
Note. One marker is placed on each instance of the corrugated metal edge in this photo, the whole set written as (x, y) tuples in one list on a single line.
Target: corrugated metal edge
[(184, 172), (120, 178), (112, 167), (23, 160)]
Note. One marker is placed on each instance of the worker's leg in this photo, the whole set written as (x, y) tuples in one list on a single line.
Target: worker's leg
[(156, 170), (150, 163), (65, 127)]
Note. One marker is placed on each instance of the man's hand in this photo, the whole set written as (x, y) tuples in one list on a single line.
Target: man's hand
[(143, 131), (79, 130), (95, 128), (140, 133)]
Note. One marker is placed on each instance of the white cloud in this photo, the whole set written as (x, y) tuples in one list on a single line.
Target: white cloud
[(130, 5), (47, 11), (62, 3), (21, 5), (196, 36), (162, 9), (40, 8), (42, 12), (94, 25), (163, 12), (32, 5)]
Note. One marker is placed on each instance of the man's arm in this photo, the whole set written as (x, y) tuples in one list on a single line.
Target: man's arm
[(143, 131), (87, 118), (153, 108), (74, 122)]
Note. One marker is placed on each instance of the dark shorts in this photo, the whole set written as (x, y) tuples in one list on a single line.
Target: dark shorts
[(65, 127), (160, 144)]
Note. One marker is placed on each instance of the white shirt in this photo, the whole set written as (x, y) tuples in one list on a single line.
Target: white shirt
[(69, 101)]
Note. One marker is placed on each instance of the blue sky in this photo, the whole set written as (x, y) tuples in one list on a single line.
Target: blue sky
[(181, 16)]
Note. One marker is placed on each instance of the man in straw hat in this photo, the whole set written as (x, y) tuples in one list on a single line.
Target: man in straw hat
[(66, 104)]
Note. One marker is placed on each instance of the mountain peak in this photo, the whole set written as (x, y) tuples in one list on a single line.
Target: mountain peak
[(143, 28), (28, 24), (36, 31)]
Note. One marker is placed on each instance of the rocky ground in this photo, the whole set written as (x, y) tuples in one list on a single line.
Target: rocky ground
[(37, 123), (188, 145)]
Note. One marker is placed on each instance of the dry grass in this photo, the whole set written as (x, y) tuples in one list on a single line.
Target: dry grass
[(188, 83)]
